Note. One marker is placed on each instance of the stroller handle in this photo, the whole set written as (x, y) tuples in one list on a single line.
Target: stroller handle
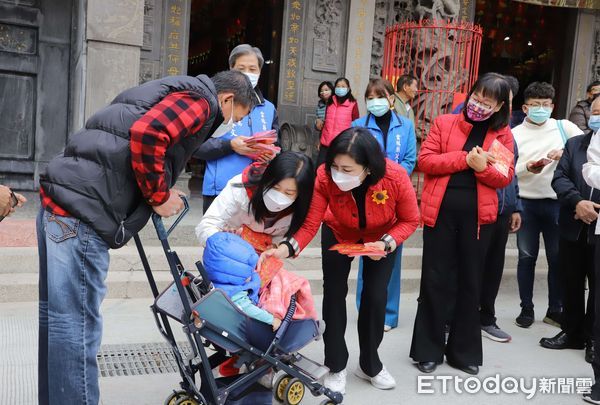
[(161, 231)]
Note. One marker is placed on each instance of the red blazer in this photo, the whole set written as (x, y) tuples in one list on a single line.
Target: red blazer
[(442, 155), (395, 218), (337, 118)]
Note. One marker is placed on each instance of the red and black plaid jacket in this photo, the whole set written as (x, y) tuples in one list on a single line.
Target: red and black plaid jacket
[(176, 116)]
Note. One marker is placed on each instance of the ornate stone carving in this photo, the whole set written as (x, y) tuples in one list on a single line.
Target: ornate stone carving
[(437, 9), (149, 20), (327, 26), (381, 16), (18, 39), (596, 51)]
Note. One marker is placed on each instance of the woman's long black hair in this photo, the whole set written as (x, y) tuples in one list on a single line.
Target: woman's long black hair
[(286, 165)]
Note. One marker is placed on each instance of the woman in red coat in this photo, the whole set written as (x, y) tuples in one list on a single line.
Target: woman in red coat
[(459, 201), (360, 197)]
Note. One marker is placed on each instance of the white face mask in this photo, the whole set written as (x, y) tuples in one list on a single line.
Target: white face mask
[(276, 201), (344, 181), (224, 128), (253, 78)]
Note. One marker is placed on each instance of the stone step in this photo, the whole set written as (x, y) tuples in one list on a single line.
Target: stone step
[(16, 260), (126, 278), (133, 284)]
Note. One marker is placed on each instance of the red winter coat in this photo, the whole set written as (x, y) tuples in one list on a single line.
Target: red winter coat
[(337, 118), (396, 216), (442, 155)]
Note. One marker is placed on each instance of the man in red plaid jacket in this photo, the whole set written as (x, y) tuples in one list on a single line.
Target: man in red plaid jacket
[(101, 191)]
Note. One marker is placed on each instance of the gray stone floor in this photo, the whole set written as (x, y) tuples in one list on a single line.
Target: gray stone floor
[(130, 321)]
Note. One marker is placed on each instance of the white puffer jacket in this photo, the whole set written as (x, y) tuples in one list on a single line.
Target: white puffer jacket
[(230, 211)]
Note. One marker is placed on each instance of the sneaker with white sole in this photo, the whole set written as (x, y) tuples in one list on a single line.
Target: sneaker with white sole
[(387, 328), (493, 332), (336, 381), (383, 380)]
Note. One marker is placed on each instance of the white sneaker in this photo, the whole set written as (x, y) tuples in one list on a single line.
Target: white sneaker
[(383, 380), (387, 328), (336, 381)]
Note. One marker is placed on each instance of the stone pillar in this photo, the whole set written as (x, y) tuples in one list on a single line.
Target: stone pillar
[(584, 46), (106, 54), (360, 42)]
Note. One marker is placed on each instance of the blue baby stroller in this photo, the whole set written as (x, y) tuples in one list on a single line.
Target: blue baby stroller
[(210, 319)]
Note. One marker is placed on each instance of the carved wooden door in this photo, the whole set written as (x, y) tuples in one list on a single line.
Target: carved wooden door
[(34, 86)]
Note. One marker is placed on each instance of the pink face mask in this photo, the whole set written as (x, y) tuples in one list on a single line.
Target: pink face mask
[(476, 112)]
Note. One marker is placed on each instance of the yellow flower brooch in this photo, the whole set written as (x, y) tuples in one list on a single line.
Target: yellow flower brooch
[(380, 197)]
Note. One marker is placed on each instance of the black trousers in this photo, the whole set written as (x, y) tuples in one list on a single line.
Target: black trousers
[(454, 254), (493, 269), (207, 200), (322, 155), (576, 263), (371, 315), (596, 327)]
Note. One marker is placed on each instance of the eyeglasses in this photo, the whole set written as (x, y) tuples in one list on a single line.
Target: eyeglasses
[(483, 105)]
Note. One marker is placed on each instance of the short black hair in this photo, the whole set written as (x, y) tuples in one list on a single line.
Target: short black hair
[(539, 90), (592, 84), (493, 85), (286, 165), (513, 82), (325, 83), (361, 146), (404, 80), (233, 81)]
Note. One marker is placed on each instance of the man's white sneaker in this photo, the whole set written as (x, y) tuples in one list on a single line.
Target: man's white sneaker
[(383, 380), (336, 381)]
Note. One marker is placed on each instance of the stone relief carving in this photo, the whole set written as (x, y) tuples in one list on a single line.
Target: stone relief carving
[(149, 17), (381, 16), (18, 39), (596, 51), (437, 9), (327, 30)]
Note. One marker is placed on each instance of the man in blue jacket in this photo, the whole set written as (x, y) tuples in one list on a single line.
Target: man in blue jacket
[(227, 154), (577, 220)]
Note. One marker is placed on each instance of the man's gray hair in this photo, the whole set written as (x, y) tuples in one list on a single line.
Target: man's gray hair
[(245, 49), (233, 81)]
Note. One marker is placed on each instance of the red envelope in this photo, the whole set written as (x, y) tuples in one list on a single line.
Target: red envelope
[(357, 249), (504, 157)]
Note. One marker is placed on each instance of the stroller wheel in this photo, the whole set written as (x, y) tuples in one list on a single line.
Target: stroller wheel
[(294, 392), (175, 395), (186, 401), (327, 402), (279, 387)]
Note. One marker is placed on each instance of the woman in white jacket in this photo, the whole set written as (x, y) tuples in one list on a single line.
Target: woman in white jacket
[(273, 201), (591, 174)]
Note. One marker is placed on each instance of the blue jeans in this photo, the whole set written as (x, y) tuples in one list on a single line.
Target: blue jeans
[(73, 268), (539, 216), (392, 308)]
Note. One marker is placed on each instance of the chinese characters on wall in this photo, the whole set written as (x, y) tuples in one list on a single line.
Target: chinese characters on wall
[(293, 50)]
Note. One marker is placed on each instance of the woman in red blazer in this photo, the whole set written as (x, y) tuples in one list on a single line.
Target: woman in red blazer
[(459, 201), (360, 197)]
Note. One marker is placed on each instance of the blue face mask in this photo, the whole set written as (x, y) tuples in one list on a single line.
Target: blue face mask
[(539, 115), (378, 106), (341, 91), (594, 123)]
